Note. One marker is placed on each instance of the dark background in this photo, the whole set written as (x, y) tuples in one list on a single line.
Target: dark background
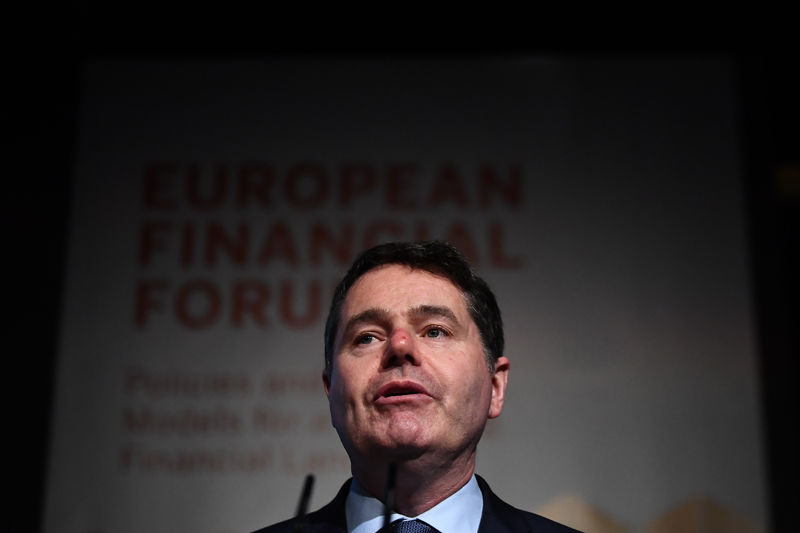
[(41, 120)]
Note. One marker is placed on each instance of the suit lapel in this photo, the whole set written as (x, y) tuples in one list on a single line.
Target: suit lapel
[(331, 518), (498, 516)]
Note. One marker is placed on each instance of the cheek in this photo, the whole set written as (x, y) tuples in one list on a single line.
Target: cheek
[(466, 389), (345, 386), (338, 403), (477, 385)]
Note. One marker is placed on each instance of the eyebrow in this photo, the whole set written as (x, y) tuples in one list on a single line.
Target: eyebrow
[(372, 315), (426, 311), (382, 317)]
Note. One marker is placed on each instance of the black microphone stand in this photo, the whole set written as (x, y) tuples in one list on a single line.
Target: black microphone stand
[(389, 494), (302, 505)]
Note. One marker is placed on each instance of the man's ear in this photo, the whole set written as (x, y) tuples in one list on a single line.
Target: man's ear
[(326, 382), (499, 384)]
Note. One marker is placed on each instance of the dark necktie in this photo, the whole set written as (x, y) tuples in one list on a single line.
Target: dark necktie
[(409, 526)]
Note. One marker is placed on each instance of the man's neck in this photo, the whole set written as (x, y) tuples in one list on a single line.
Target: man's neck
[(419, 485)]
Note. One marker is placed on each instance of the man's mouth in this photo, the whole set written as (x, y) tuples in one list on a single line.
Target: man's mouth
[(399, 390), (403, 392)]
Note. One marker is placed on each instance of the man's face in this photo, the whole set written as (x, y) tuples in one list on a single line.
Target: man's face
[(409, 373)]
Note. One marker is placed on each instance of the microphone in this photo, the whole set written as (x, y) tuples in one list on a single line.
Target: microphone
[(389, 494), (302, 505)]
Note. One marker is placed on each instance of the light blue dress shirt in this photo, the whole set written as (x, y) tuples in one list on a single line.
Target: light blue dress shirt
[(460, 513)]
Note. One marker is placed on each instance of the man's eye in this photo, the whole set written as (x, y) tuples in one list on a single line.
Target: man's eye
[(434, 333), (365, 338)]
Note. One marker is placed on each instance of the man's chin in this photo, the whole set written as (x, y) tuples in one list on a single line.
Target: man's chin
[(402, 438), (394, 450)]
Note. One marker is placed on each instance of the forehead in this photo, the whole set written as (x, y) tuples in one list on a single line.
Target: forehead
[(400, 287)]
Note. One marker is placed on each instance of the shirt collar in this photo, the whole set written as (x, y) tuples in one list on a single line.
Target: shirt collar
[(459, 512)]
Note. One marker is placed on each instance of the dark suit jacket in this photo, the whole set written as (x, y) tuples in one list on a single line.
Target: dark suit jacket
[(498, 517)]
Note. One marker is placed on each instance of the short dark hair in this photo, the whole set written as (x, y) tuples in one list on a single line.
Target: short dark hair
[(438, 258)]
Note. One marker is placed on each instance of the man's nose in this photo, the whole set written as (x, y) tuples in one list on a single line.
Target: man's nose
[(402, 349)]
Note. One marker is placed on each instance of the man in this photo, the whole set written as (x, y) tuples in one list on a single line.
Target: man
[(414, 368)]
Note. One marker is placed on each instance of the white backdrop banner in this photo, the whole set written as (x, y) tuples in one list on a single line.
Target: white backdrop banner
[(216, 204)]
